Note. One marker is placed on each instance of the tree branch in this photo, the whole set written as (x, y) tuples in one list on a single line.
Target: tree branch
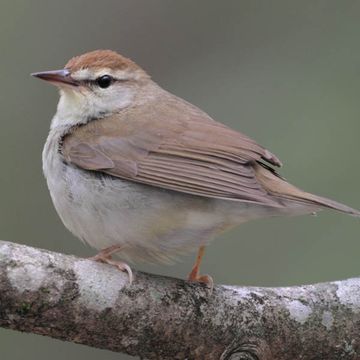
[(156, 317)]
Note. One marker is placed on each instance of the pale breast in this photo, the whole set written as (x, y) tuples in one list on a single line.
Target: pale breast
[(153, 224)]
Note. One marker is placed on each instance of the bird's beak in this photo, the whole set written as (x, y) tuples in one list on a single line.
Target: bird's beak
[(57, 77)]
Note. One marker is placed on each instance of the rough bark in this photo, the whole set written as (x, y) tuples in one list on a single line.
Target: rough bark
[(156, 317)]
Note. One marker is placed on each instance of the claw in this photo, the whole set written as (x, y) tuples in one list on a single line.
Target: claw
[(204, 279), (104, 256), (207, 280), (194, 275), (122, 267)]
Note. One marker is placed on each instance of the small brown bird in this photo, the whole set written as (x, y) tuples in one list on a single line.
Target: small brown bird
[(134, 169)]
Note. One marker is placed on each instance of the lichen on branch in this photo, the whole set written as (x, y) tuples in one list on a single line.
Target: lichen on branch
[(157, 317)]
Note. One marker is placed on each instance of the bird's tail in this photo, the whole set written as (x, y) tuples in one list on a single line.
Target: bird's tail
[(277, 186), (325, 203)]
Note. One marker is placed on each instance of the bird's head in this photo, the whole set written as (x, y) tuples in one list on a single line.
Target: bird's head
[(96, 83)]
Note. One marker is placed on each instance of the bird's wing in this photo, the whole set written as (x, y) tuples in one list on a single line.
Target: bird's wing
[(188, 152)]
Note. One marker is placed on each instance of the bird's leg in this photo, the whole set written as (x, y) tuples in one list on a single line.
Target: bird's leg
[(105, 256), (194, 274), (106, 253)]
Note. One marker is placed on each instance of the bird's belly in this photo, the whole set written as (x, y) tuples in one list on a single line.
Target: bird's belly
[(153, 225)]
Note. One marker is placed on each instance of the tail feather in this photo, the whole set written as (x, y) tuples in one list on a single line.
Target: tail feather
[(325, 203), (277, 186)]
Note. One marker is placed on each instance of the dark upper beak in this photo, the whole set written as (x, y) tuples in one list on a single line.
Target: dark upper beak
[(57, 77)]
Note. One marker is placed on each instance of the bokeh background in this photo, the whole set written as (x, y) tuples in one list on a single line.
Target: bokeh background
[(284, 72)]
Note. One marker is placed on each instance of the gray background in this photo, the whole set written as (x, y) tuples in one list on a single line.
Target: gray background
[(284, 72)]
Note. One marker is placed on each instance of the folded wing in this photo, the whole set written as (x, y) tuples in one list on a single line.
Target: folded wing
[(189, 153)]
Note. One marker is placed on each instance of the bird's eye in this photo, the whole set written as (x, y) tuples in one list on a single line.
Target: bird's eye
[(104, 81)]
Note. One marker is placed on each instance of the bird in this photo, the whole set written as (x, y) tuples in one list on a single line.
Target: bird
[(137, 172)]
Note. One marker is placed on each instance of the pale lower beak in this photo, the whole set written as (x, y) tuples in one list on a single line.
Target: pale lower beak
[(57, 77)]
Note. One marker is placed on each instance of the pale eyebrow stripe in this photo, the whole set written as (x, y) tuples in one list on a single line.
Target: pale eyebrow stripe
[(86, 75)]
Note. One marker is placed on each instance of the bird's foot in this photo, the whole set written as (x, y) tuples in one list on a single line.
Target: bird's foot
[(194, 276), (105, 256)]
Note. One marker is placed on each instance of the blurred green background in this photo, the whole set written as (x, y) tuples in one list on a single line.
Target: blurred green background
[(284, 72)]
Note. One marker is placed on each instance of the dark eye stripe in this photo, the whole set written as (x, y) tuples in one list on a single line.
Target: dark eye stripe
[(95, 81)]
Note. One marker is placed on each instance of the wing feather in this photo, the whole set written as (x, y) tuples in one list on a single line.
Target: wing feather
[(188, 154)]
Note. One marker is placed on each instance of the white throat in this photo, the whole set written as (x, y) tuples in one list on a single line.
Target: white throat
[(76, 107)]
